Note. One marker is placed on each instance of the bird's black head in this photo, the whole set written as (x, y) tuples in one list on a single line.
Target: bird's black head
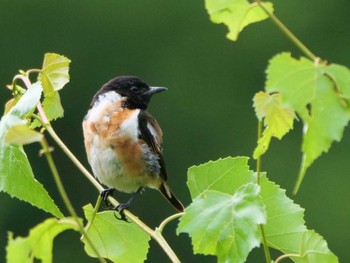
[(136, 92)]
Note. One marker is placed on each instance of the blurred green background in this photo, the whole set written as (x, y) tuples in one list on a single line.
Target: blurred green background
[(206, 113)]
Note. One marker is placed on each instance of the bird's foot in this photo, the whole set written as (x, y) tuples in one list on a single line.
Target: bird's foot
[(122, 206), (105, 193), (120, 209)]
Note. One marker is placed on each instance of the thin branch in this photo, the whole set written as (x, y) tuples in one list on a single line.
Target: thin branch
[(279, 259), (301, 174), (97, 206), (167, 220), (154, 234), (287, 32), (266, 248), (258, 161), (258, 171), (28, 84), (72, 157)]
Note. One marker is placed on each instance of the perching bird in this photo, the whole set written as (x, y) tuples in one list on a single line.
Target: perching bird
[(123, 140)]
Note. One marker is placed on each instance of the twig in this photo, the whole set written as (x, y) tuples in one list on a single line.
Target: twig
[(258, 171), (167, 220), (287, 32), (279, 259)]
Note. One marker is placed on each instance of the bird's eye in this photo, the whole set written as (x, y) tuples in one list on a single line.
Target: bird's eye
[(133, 88)]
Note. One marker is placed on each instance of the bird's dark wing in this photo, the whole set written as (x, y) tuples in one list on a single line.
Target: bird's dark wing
[(151, 133)]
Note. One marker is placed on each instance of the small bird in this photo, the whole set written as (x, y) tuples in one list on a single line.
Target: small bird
[(123, 140)]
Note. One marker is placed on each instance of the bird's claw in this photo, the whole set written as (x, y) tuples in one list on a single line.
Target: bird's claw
[(105, 193), (120, 209)]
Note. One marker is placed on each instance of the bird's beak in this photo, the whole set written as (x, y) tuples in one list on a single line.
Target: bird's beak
[(154, 90)]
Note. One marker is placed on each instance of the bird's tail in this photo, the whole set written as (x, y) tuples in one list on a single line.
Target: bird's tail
[(169, 195)]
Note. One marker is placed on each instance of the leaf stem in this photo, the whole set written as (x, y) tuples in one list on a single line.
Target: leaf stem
[(33, 70), (300, 175), (46, 150), (266, 248), (97, 206), (28, 84), (167, 220), (279, 259), (258, 160), (258, 171), (287, 32), (162, 242)]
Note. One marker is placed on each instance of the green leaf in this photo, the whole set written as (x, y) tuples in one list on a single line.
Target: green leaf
[(278, 119), (296, 80), (22, 134), (9, 104), (39, 243), (316, 92), (17, 179), (52, 106), (263, 144), (27, 102), (326, 123), (236, 15), (17, 92), (224, 175), (285, 220), (341, 77), (54, 74), (16, 175), (314, 249), (225, 225), (115, 239)]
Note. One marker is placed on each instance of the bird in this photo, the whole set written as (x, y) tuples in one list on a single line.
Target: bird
[(123, 141)]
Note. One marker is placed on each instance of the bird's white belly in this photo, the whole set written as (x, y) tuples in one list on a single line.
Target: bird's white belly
[(108, 169), (117, 158)]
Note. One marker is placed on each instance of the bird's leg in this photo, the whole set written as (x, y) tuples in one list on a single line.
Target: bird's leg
[(122, 206), (105, 193)]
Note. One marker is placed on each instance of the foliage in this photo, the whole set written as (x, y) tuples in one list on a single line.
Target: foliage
[(226, 198), (234, 208), (114, 239), (313, 90), (278, 119), (231, 228), (38, 244), (314, 249), (16, 175), (236, 15)]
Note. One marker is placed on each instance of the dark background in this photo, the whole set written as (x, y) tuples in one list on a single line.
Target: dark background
[(206, 113)]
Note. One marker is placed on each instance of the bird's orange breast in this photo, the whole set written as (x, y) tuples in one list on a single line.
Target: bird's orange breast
[(112, 127)]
